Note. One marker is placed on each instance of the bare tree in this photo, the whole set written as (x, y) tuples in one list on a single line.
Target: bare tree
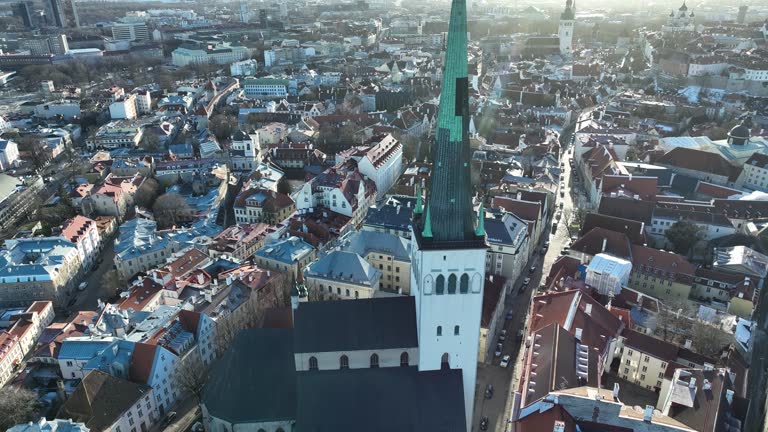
[(111, 283), (17, 406), (707, 339), (36, 152), (171, 209), (191, 374), (573, 218), (150, 142), (673, 323), (146, 194)]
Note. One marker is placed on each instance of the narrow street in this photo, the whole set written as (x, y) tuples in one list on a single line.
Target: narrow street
[(504, 380)]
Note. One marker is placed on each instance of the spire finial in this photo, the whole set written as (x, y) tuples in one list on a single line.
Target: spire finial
[(427, 232), (480, 231)]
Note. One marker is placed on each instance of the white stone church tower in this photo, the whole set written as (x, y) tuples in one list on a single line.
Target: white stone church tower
[(448, 242), (565, 29)]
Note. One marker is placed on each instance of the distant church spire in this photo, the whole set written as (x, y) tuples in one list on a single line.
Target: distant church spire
[(449, 216)]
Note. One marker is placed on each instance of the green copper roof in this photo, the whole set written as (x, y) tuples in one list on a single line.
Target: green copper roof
[(450, 216), (427, 225)]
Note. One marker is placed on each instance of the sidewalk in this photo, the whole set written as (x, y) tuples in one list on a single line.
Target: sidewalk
[(187, 413)]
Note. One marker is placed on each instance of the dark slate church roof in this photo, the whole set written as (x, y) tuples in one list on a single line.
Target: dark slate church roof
[(359, 400), (255, 379), (344, 325)]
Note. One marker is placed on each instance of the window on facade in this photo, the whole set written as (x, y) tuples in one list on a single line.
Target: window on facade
[(627, 362), (404, 359), (445, 361), (357, 294), (347, 293), (344, 362), (464, 284), (647, 359), (440, 285), (642, 377), (645, 368), (452, 284), (439, 330), (313, 363), (626, 370), (456, 330), (374, 360)]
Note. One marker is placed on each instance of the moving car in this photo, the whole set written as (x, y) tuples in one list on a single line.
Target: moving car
[(532, 269), (82, 286), (484, 424), (505, 361), (509, 316), (526, 281), (489, 391)]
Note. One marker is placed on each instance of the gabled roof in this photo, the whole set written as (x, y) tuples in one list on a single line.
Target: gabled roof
[(699, 160), (601, 240), (634, 230), (101, 399), (638, 210), (380, 323), (351, 400), (257, 358)]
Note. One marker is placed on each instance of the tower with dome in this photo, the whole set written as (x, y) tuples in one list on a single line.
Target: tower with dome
[(680, 21)]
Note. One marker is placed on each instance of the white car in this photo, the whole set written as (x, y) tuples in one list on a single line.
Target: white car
[(504, 361), (82, 286)]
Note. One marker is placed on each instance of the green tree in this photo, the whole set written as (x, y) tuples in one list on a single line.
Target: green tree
[(283, 186), (112, 284), (684, 235), (35, 151)]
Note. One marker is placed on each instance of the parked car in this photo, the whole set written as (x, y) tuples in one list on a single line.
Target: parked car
[(526, 281), (519, 335), (505, 361), (532, 269), (509, 316), (497, 353), (489, 391), (168, 419), (503, 332)]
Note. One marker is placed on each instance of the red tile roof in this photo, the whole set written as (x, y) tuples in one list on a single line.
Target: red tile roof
[(525, 210), (645, 187), (141, 362)]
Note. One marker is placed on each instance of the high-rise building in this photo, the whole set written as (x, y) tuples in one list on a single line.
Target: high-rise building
[(134, 31), (44, 45), (23, 10), (245, 12), (62, 13), (565, 29), (742, 14), (448, 241)]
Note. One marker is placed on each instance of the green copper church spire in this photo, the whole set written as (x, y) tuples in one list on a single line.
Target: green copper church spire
[(452, 217)]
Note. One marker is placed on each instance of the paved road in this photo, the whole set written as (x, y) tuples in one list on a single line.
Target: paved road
[(505, 380), (88, 299)]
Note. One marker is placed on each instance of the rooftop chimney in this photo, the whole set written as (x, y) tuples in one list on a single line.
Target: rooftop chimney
[(588, 309), (687, 344), (605, 242), (578, 333), (692, 383), (707, 385), (729, 396), (559, 426), (648, 414), (615, 391)]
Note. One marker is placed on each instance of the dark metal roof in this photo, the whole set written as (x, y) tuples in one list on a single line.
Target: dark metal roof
[(345, 325), (357, 400), (260, 358)]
